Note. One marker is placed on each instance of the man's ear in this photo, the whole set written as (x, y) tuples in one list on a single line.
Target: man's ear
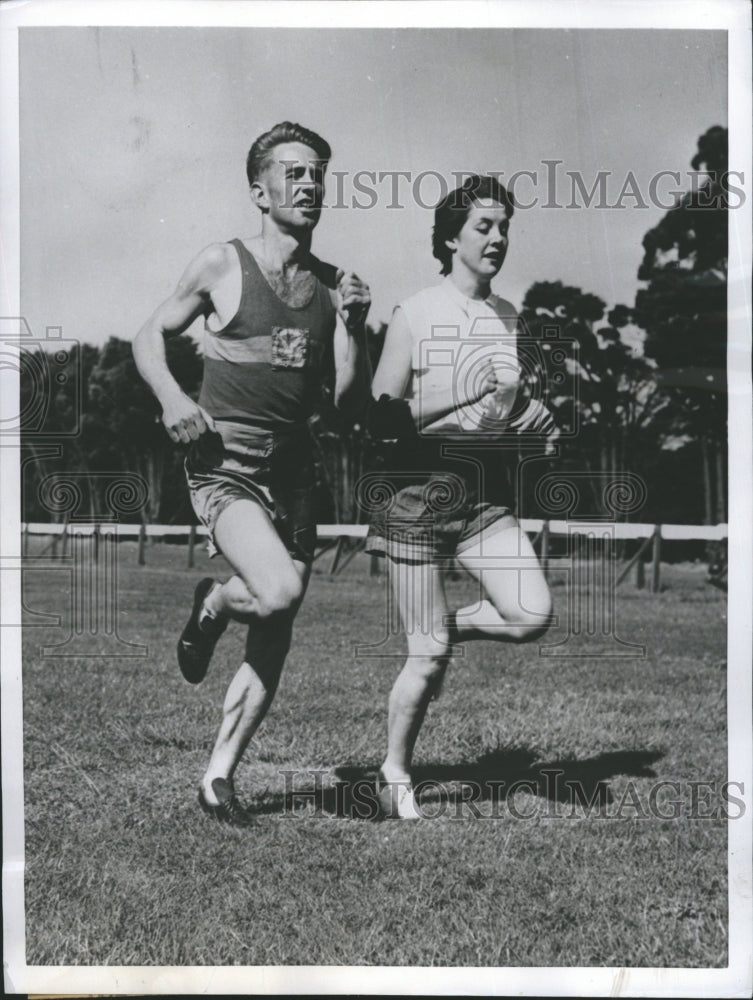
[(259, 196)]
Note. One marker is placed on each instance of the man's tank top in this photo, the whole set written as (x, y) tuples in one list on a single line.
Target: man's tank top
[(265, 367)]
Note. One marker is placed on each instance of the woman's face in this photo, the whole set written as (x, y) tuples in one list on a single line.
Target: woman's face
[(481, 245)]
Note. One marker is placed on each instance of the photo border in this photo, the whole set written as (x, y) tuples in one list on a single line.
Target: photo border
[(735, 980)]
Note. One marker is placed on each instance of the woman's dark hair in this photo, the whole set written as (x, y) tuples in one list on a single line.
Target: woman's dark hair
[(452, 211), (258, 155)]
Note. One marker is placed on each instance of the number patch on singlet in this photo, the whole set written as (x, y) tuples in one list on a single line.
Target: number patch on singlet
[(290, 347)]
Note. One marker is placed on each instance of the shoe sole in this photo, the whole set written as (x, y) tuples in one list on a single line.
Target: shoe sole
[(198, 600)]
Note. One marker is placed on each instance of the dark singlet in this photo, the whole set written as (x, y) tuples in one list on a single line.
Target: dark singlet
[(265, 367)]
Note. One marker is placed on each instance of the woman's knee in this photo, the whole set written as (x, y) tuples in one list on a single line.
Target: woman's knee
[(428, 654), (528, 625)]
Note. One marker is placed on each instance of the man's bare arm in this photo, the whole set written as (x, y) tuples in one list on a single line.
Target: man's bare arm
[(183, 419), (352, 365)]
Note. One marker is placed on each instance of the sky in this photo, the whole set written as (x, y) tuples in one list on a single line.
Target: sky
[(134, 140)]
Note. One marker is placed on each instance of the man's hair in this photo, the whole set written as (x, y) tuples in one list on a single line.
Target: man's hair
[(259, 154), (453, 210)]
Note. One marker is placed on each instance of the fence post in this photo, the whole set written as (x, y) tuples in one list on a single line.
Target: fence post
[(341, 543), (64, 546), (656, 561), (191, 543), (640, 573), (545, 548), (636, 560), (142, 544)]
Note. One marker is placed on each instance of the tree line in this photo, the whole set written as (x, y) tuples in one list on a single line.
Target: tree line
[(646, 393)]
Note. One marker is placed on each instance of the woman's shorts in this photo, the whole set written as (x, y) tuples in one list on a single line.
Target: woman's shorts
[(273, 468), (430, 516)]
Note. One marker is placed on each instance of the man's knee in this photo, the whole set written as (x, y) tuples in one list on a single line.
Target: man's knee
[(280, 596)]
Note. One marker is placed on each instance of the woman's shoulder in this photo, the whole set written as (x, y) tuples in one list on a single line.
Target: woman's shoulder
[(427, 298), (427, 308), (502, 306), (505, 310)]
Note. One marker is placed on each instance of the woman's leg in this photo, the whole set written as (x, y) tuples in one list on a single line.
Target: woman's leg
[(419, 592), (518, 603)]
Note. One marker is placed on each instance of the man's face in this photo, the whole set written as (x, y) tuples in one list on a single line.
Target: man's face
[(481, 245), (293, 186)]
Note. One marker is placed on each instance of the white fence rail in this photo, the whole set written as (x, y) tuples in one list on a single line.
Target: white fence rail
[(347, 540), (671, 532)]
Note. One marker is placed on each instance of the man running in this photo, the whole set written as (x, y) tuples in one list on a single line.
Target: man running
[(276, 320)]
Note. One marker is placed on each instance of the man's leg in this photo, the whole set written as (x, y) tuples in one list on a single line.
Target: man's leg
[(267, 580), (519, 604), (267, 593), (249, 695), (419, 592)]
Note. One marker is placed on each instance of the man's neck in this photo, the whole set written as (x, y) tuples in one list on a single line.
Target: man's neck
[(470, 284), (283, 251)]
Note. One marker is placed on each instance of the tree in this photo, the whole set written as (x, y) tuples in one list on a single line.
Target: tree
[(605, 401), (683, 311), (344, 450), (54, 404), (122, 402)]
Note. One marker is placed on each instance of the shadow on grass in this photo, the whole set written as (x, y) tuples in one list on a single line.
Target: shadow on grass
[(492, 777)]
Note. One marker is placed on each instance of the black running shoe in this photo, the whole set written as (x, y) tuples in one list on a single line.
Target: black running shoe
[(197, 642), (229, 810)]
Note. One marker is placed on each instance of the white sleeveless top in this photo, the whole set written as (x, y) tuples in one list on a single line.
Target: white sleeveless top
[(453, 338)]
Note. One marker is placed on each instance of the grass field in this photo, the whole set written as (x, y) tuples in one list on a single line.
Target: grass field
[(124, 869)]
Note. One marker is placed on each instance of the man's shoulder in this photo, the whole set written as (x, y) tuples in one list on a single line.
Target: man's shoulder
[(217, 253), (215, 260)]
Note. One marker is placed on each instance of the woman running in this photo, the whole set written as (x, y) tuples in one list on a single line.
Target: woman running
[(447, 394)]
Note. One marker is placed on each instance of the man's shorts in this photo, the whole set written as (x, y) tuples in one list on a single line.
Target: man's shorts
[(273, 468), (430, 516)]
